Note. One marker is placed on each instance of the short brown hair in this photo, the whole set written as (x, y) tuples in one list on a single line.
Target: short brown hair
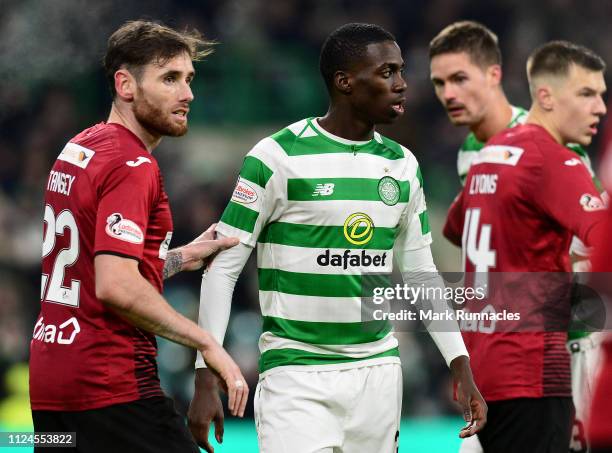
[(470, 37), (139, 42), (556, 57)]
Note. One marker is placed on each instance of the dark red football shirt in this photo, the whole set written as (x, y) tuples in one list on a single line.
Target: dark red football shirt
[(600, 420), (104, 195), (524, 199)]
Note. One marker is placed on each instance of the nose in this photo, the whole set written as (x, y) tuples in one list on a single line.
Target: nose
[(186, 93), (400, 85), (600, 107), (448, 93)]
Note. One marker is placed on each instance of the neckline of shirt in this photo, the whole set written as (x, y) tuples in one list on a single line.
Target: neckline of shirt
[(315, 124)]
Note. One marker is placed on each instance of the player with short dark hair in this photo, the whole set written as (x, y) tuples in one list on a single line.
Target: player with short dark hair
[(107, 230), (346, 45), (537, 195), (470, 37), (314, 192), (469, 86)]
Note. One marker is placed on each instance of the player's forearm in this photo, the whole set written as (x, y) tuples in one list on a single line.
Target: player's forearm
[(217, 291), (460, 368), (173, 264), (125, 291), (205, 380), (178, 260), (419, 270)]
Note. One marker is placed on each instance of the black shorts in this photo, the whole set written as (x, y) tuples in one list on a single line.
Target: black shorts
[(149, 425), (528, 425)]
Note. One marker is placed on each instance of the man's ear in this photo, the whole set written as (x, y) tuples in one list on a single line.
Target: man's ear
[(544, 97), (342, 82), (494, 74), (125, 85)]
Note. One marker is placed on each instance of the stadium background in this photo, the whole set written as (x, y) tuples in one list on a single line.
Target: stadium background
[(263, 76)]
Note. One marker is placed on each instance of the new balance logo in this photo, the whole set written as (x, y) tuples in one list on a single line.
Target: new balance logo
[(573, 162), (139, 161), (323, 189)]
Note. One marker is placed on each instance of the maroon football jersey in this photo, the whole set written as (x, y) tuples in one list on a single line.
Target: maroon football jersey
[(524, 198), (104, 195), (600, 426)]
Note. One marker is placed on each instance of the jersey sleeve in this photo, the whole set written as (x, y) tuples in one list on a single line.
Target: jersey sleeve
[(125, 198), (414, 231), (257, 196), (566, 192), (453, 227)]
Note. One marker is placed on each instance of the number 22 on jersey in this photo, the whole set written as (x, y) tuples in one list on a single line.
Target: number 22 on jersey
[(53, 285)]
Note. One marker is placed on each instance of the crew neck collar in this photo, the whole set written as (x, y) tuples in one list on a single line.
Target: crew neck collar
[(315, 124)]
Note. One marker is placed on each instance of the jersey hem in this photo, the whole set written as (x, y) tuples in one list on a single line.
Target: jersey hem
[(96, 403), (332, 366)]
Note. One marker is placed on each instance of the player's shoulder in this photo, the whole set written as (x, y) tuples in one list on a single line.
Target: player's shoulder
[(109, 150), (274, 149), (543, 146), (402, 156), (106, 143)]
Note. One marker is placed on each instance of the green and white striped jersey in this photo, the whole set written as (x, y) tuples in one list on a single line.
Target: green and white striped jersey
[(324, 212)]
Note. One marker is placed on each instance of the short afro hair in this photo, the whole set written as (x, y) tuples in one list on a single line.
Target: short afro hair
[(346, 45)]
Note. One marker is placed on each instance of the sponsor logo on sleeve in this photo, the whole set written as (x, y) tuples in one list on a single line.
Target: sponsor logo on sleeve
[(244, 193), (123, 229), (76, 154), (141, 160), (165, 245), (591, 203)]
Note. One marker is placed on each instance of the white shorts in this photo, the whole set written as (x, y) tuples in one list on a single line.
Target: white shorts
[(585, 355), (341, 411), (470, 445)]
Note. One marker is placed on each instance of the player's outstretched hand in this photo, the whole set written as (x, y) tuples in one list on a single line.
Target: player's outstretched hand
[(471, 401), (203, 249), (232, 380), (205, 408)]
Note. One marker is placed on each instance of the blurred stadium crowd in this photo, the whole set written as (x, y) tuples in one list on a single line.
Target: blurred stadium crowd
[(263, 75)]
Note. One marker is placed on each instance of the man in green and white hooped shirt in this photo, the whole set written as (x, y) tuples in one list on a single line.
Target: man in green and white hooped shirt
[(465, 63), (327, 201)]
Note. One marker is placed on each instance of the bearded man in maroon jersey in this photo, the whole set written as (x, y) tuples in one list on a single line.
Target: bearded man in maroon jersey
[(105, 254)]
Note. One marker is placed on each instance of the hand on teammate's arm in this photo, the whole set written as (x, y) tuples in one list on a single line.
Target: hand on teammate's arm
[(197, 253), (205, 408), (120, 286), (472, 403)]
